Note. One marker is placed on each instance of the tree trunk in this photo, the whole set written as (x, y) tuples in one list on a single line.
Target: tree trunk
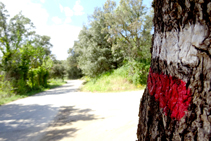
[(176, 104)]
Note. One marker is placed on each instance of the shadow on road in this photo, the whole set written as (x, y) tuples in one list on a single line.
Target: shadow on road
[(61, 127), (18, 121), (59, 90), (26, 122), (68, 114), (56, 92), (58, 134)]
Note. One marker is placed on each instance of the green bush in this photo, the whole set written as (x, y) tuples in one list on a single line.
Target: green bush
[(111, 81), (137, 71), (6, 88), (38, 78), (22, 86), (58, 71), (131, 76), (74, 73)]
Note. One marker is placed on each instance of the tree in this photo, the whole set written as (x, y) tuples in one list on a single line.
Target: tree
[(4, 41), (58, 69), (13, 36), (42, 47), (129, 26), (23, 54), (71, 64), (94, 49), (176, 104)]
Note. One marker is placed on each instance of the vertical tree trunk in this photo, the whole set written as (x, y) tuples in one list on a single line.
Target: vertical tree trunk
[(176, 104)]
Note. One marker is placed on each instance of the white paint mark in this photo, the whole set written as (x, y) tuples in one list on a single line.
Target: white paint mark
[(179, 47)]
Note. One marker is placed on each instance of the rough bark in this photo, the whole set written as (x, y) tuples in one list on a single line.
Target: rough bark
[(176, 104)]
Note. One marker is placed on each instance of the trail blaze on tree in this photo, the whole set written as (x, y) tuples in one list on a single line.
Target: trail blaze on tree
[(172, 94), (176, 104)]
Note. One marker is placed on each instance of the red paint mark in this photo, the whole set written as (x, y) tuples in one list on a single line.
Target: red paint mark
[(172, 94)]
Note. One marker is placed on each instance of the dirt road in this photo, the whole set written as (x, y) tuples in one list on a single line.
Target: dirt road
[(65, 114)]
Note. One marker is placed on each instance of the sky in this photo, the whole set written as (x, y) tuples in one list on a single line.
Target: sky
[(62, 20)]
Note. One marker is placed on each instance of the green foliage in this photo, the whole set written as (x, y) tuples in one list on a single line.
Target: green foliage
[(38, 78), (58, 71), (129, 27), (109, 82), (55, 82), (137, 71), (93, 49), (74, 73), (115, 34), (6, 98), (131, 76), (25, 56), (6, 88), (21, 86)]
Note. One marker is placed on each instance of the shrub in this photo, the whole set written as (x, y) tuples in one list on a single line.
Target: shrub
[(38, 78), (22, 86), (6, 88), (58, 71), (137, 71)]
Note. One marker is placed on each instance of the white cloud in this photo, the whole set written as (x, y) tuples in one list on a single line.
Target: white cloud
[(61, 8), (68, 12), (62, 37), (78, 9), (43, 1), (68, 20), (34, 11), (56, 20)]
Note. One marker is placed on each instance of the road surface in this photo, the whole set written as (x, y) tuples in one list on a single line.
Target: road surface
[(65, 114)]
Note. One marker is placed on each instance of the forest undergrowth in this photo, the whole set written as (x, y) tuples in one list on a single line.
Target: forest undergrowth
[(126, 78)]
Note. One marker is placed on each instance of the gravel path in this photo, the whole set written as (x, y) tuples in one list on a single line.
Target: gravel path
[(65, 114)]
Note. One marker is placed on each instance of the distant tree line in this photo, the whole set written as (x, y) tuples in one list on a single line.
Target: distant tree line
[(115, 36)]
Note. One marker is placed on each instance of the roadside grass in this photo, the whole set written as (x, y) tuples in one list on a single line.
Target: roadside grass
[(55, 83), (52, 83), (115, 81)]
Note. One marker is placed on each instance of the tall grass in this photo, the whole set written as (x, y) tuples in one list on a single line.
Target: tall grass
[(131, 76), (115, 81)]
